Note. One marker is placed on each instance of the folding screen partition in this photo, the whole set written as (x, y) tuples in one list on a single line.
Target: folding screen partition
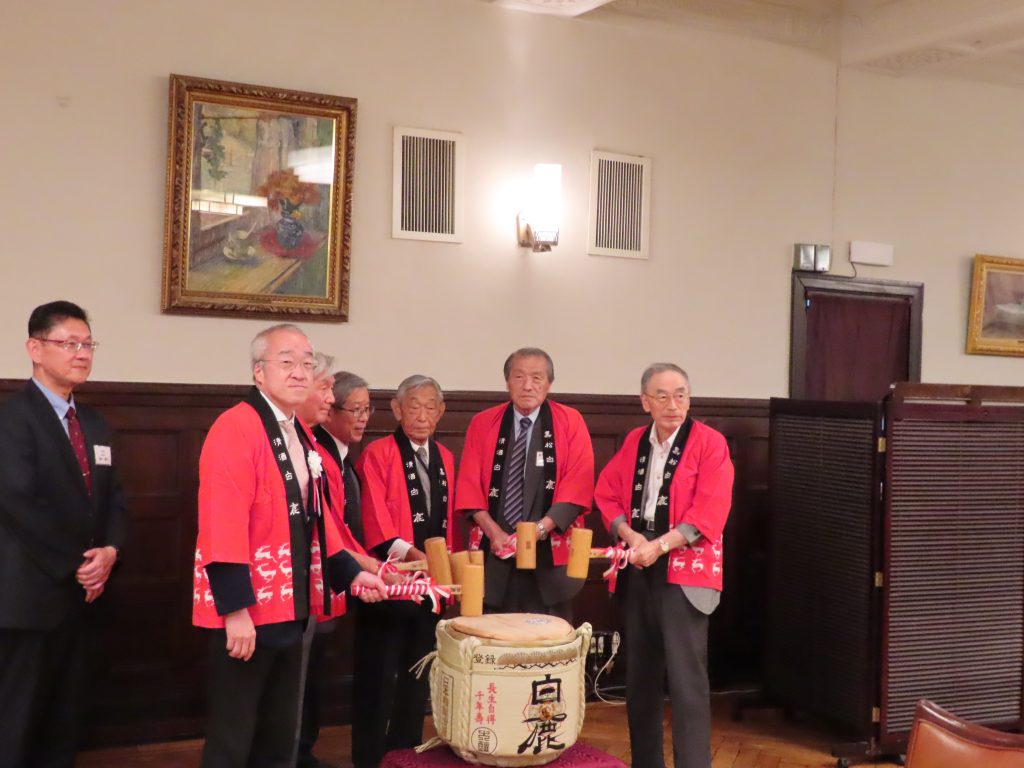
[(897, 567)]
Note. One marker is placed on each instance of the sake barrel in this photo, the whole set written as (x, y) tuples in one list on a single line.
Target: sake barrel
[(508, 689)]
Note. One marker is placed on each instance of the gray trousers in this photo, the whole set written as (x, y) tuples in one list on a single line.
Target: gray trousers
[(666, 637)]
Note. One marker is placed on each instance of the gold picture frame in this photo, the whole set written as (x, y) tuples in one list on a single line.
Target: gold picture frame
[(259, 201), (995, 323)]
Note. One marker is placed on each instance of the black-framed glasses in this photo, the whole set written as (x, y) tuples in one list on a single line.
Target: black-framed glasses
[(357, 413), (68, 345)]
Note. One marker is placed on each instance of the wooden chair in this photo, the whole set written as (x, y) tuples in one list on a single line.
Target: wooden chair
[(939, 739)]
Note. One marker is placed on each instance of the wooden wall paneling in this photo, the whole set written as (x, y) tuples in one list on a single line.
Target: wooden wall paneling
[(152, 657), (151, 671)]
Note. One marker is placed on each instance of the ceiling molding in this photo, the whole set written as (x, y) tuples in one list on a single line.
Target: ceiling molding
[(968, 39), (552, 7), (808, 24)]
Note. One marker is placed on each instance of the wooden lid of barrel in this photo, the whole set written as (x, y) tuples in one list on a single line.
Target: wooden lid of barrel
[(514, 627)]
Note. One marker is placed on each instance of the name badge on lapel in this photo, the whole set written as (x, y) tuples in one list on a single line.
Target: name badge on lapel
[(101, 455), (540, 458)]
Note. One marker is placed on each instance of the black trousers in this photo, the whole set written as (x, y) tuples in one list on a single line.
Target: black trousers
[(43, 677), (252, 706), (314, 693), (389, 702), (522, 595), (665, 637)]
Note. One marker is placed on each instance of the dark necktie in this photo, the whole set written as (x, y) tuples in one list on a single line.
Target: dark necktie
[(353, 515), (424, 474), (78, 446), (516, 475)]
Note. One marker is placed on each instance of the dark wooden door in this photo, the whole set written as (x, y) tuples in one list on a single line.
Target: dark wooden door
[(852, 338)]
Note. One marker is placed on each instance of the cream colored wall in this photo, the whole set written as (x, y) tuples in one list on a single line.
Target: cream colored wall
[(740, 132), (935, 168)]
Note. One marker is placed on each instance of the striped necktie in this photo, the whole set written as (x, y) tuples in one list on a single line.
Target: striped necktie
[(516, 475)]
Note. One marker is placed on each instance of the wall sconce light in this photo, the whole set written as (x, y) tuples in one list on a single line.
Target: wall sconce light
[(538, 224)]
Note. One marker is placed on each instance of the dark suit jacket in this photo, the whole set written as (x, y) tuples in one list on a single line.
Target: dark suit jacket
[(554, 585), (352, 512), (47, 519), (326, 439)]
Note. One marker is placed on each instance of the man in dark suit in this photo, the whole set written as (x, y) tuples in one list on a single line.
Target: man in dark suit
[(315, 412), (344, 427), (528, 460), (62, 522)]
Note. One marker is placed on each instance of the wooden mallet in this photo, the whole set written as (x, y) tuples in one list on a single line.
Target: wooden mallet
[(526, 546), (580, 553), (580, 550), (460, 560), (468, 587)]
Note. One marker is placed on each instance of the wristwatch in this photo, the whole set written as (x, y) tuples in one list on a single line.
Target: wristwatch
[(542, 532), (663, 544)]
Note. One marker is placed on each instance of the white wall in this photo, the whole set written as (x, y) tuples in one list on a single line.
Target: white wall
[(937, 169), (740, 132)]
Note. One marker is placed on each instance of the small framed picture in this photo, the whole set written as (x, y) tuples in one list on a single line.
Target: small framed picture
[(995, 325)]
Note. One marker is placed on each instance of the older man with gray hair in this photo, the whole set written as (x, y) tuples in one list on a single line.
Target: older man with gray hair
[(667, 494), (339, 434), (529, 460), (314, 412), (267, 557), (345, 427), (408, 497)]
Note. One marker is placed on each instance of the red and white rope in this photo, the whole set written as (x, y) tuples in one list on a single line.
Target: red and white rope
[(416, 589), (388, 566)]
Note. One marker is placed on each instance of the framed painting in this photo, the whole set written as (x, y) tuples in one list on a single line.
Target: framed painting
[(259, 201), (995, 325)]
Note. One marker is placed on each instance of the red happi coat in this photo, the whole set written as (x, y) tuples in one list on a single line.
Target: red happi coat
[(243, 518), (386, 511), (701, 495), (574, 465), (336, 510)]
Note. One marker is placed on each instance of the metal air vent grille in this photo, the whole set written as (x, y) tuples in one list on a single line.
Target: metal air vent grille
[(427, 197), (620, 192)]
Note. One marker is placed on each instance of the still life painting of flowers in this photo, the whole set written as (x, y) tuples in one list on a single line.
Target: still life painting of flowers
[(264, 214)]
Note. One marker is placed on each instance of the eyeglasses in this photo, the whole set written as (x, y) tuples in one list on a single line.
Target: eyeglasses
[(290, 365), (357, 413), (73, 346), (662, 398)]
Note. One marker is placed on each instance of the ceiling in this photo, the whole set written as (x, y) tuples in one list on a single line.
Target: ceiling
[(972, 39)]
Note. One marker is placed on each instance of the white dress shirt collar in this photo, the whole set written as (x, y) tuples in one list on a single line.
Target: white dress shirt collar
[(279, 415), (342, 448), (415, 449)]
